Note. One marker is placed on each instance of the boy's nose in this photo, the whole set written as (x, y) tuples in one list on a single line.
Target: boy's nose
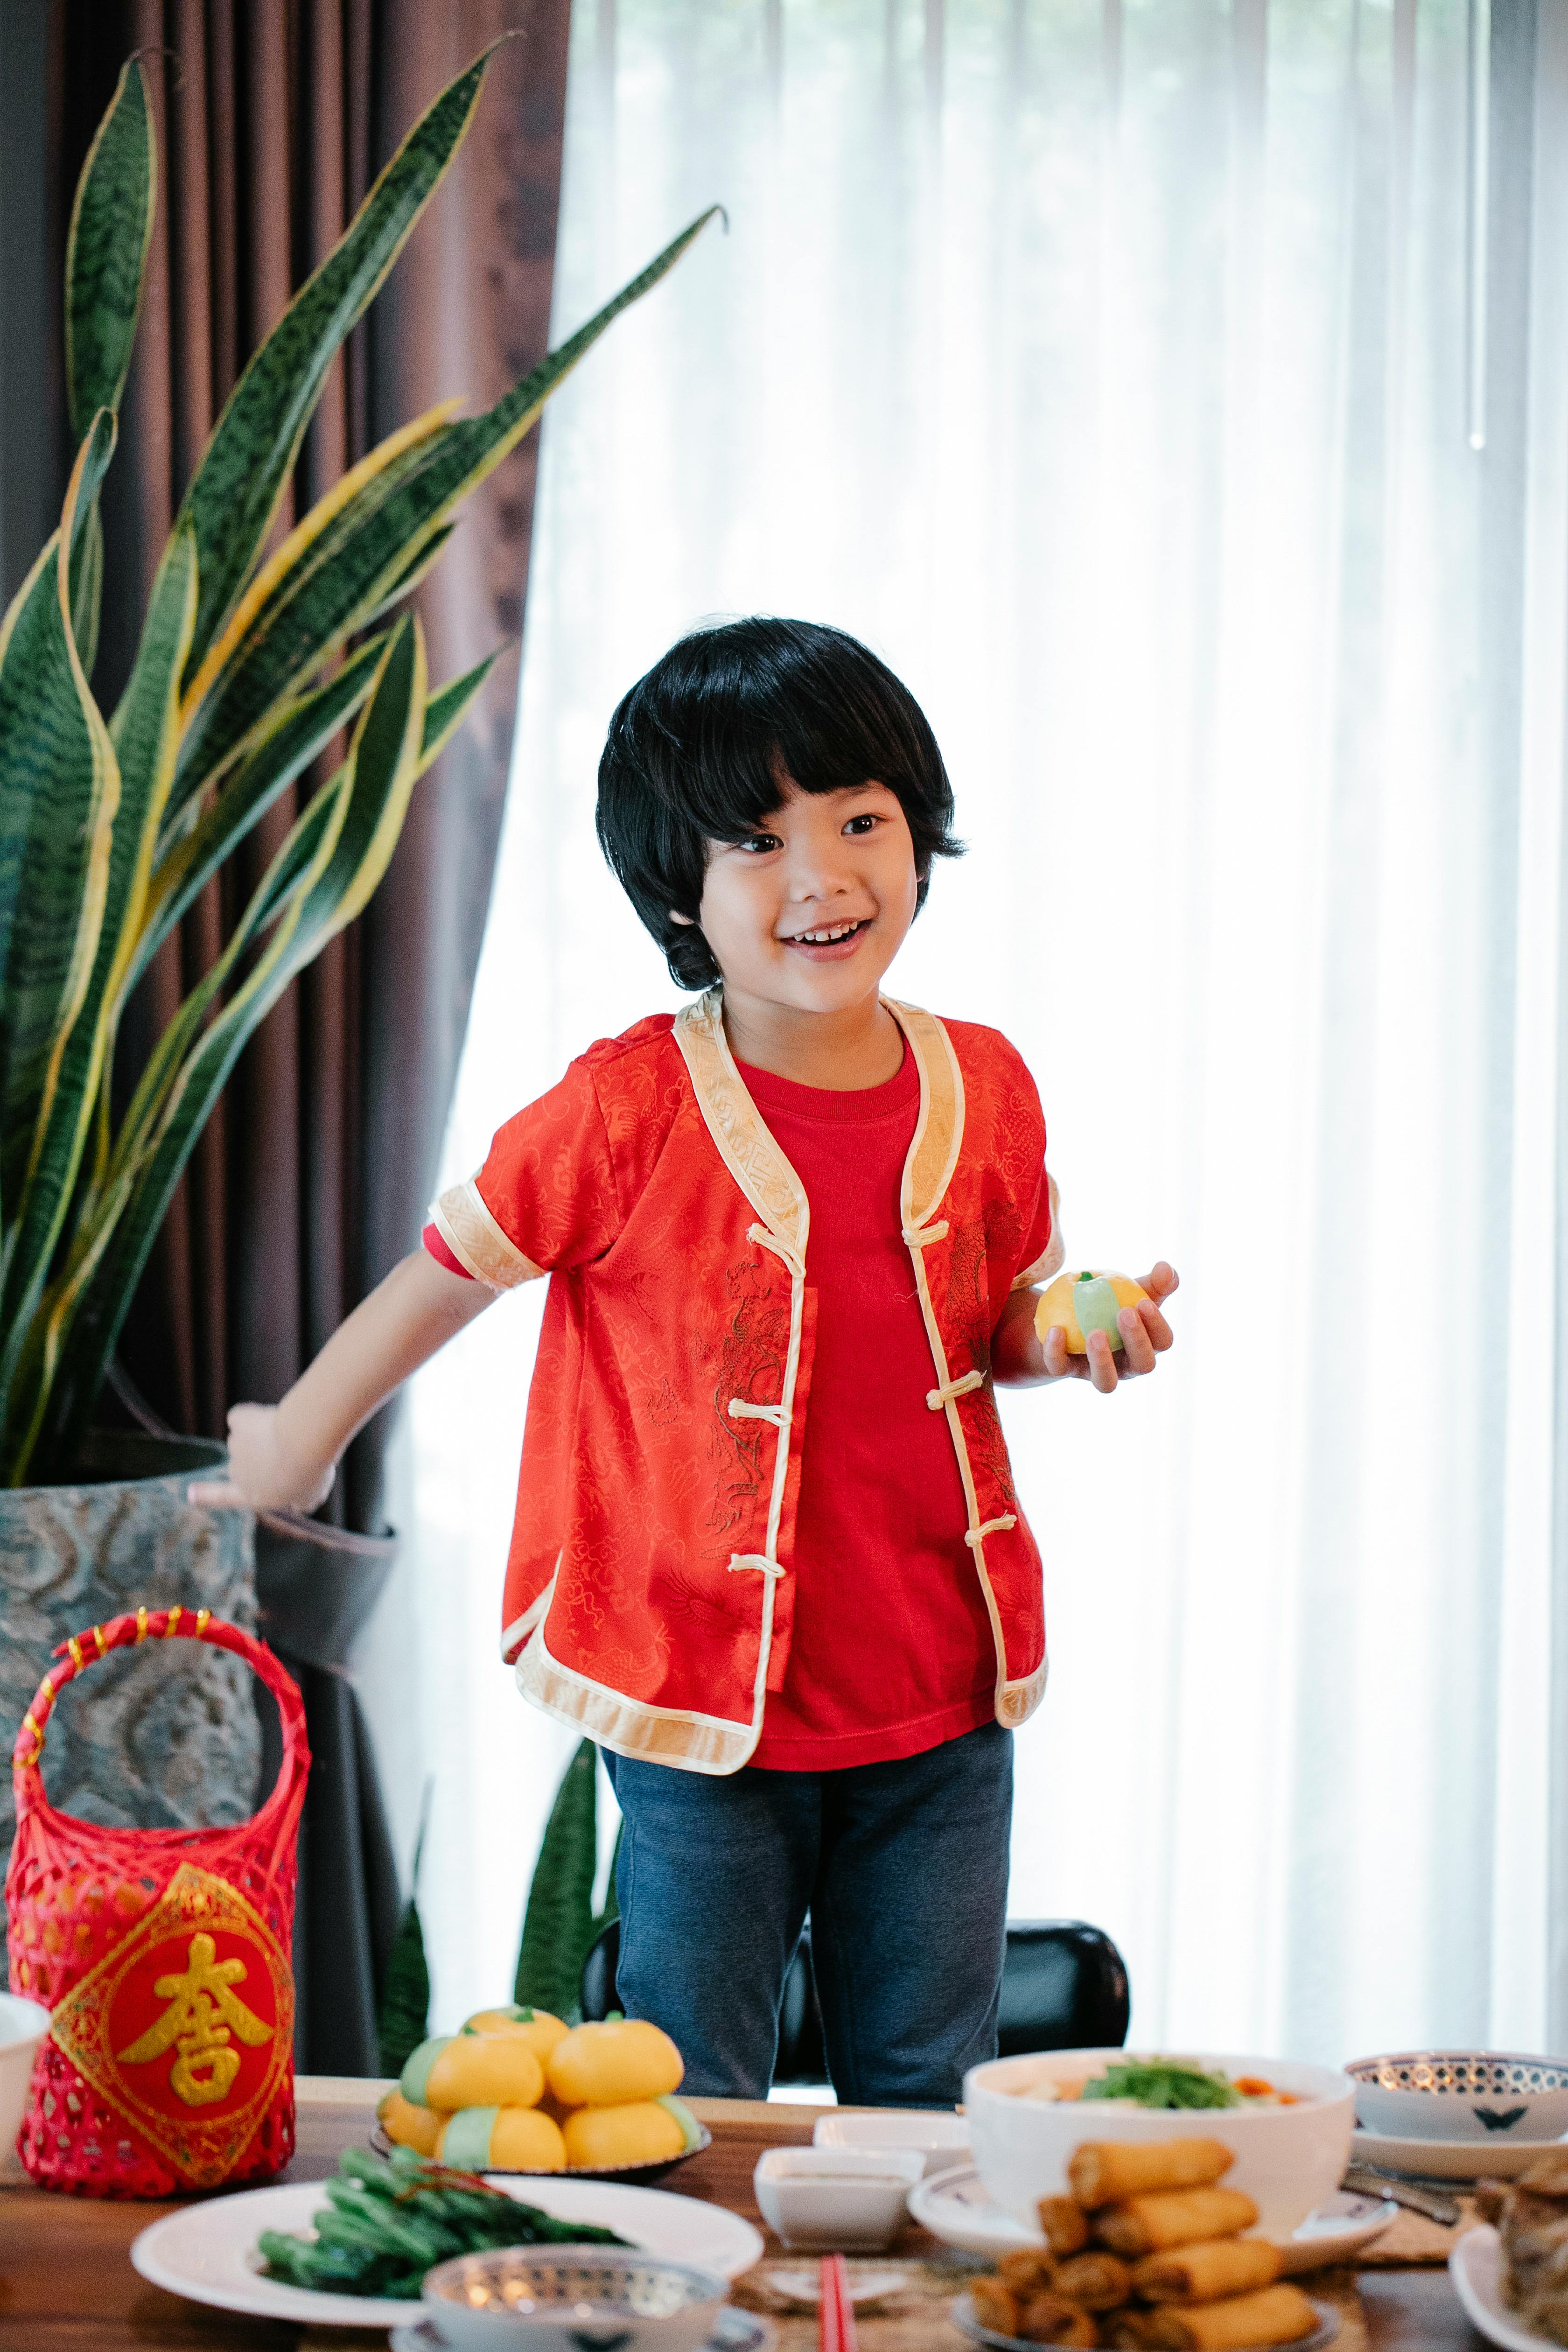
[(814, 871)]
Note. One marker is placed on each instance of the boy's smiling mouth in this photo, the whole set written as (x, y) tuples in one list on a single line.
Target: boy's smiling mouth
[(828, 942)]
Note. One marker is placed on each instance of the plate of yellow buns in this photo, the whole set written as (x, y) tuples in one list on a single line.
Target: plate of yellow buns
[(517, 2090)]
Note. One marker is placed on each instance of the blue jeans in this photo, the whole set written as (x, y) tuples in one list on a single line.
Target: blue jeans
[(903, 1868)]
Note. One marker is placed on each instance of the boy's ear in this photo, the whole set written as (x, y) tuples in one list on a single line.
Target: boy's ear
[(677, 917)]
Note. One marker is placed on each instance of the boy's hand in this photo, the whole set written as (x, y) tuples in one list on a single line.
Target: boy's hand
[(264, 1473), (1145, 1334), (1020, 1357)]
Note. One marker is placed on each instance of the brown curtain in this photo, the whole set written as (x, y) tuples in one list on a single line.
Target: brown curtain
[(311, 1179)]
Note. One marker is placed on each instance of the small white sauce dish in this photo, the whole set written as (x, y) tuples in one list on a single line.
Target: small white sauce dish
[(23, 2025), (942, 2138), (1453, 2095), (836, 2200), (571, 2299)]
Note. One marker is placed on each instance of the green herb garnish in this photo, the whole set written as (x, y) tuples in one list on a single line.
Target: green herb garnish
[(1163, 2083), (385, 2224)]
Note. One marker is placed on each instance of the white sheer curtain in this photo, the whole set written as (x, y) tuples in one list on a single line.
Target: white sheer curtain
[(1176, 396)]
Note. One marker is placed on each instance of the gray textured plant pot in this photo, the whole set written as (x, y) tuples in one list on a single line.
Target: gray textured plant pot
[(164, 1736)]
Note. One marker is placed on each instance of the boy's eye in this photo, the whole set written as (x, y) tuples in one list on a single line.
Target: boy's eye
[(865, 822), (761, 842)]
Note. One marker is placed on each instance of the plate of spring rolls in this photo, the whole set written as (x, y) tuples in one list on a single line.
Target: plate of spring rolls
[(1146, 2250), (1111, 2183)]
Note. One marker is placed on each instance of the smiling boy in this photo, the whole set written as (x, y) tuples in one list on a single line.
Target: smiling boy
[(767, 1550)]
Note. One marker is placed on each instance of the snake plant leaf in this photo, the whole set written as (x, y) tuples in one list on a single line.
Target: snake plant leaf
[(558, 1922), (106, 251), (319, 882), (86, 587), (299, 734), (58, 789), (429, 555), (209, 745), (447, 710), (69, 1343), (145, 733), (343, 560), (143, 748), (237, 487)]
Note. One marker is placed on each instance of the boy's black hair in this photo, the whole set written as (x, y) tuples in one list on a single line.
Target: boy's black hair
[(696, 750)]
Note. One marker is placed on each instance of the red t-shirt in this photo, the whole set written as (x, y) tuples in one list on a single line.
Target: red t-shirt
[(892, 1650)]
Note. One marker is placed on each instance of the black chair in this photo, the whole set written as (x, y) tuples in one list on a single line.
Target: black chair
[(1064, 1987)]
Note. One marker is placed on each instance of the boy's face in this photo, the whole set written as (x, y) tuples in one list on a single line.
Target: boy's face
[(811, 909)]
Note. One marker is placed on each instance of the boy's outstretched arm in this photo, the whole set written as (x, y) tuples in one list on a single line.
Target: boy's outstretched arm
[(1020, 1358), (283, 1456)]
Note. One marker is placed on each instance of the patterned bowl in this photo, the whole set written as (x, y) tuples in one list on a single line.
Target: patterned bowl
[(1480, 2095), (572, 2299)]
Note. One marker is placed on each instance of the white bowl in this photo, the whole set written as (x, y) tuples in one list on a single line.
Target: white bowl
[(23, 2025), (837, 2200), (1487, 2096), (572, 2299), (942, 2138), (1287, 2159)]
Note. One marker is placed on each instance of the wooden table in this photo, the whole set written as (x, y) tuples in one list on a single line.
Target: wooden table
[(67, 2283)]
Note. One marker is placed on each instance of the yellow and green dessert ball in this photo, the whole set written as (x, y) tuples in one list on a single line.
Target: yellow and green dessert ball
[(502, 2139), (472, 2070), (619, 2062), (535, 2026), (643, 2131), (408, 2126), (1085, 1302)]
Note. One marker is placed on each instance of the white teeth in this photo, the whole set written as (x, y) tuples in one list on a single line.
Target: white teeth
[(825, 939)]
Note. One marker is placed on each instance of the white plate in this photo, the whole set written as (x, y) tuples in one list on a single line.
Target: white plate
[(204, 2250), (941, 2136), (964, 2319), (1475, 2268), (954, 2206), (733, 2331), (1448, 2160), (805, 2285)]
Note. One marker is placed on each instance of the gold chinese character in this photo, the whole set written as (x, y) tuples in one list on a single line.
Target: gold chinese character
[(206, 2067)]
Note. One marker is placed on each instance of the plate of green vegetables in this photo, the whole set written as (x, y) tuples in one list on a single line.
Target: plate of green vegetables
[(353, 2251)]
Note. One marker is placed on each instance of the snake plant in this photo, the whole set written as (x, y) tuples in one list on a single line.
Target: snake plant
[(248, 666)]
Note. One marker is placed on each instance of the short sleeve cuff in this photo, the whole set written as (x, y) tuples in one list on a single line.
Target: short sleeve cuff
[(477, 1242)]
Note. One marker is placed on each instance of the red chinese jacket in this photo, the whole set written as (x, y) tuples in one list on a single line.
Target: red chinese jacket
[(648, 1589)]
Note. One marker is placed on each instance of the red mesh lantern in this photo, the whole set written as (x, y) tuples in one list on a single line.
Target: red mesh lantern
[(163, 1955)]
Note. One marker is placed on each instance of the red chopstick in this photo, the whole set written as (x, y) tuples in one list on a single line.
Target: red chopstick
[(836, 2313)]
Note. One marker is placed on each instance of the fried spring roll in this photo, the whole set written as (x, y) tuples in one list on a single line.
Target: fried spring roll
[(1100, 2282), (1104, 2171), (1052, 2319), (1202, 2272), (1129, 2331), (1278, 2315), (1173, 2217), (995, 2306), (1028, 2274), (1062, 2220)]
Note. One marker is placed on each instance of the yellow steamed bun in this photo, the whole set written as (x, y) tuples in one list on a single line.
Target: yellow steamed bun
[(624, 2061), (599, 2138)]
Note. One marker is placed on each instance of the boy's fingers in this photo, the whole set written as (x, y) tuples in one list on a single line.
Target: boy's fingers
[(1160, 1281), (1160, 1332), (218, 1495), (1101, 1363), (1135, 1340)]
